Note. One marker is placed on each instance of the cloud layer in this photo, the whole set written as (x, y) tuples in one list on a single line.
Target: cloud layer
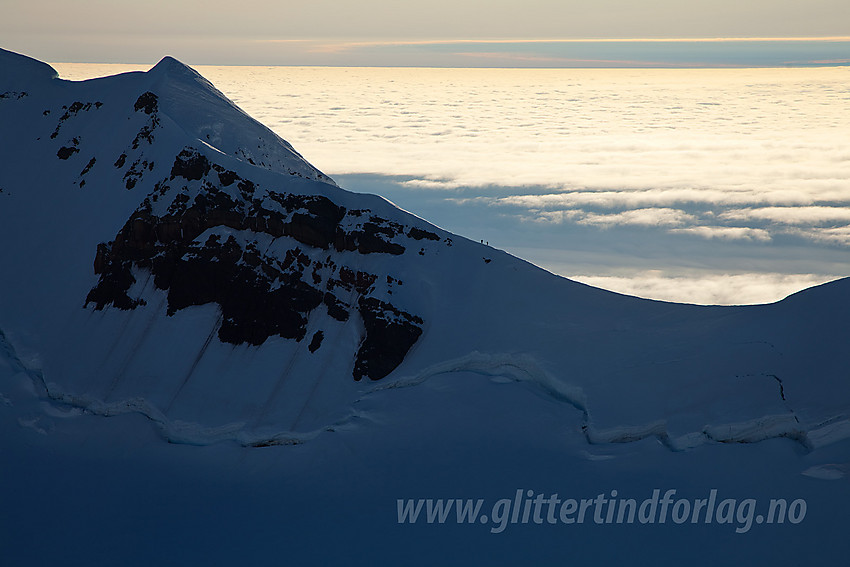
[(717, 154), (747, 170)]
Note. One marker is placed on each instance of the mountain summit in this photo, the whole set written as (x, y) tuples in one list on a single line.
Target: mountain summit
[(167, 255)]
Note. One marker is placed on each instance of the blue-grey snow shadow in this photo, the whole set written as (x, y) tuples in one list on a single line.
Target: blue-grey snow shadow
[(119, 493)]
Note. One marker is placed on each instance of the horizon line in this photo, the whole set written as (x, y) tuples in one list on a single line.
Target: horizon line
[(389, 42)]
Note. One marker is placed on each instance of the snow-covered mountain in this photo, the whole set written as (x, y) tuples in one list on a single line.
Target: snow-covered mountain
[(164, 255)]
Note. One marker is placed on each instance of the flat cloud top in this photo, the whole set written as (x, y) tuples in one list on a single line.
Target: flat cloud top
[(753, 163)]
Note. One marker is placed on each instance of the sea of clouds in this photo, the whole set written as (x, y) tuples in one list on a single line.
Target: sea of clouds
[(696, 185)]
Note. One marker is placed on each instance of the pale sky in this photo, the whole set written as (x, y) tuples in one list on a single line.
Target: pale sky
[(334, 32)]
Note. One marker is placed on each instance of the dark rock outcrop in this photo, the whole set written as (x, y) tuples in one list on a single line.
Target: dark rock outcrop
[(259, 295), (190, 164), (316, 341), (390, 333), (147, 102), (66, 151), (71, 111)]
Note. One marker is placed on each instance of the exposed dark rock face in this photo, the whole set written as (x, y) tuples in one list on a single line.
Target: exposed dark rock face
[(336, 308), (135, 172), (419, 234), (371, 238), (13, 95), (88, 166), (390, 333), (70, 111), (66, 151), (255, 303), (189, 165), (146, 132), (260, 295), (147, 102), (316, 342)]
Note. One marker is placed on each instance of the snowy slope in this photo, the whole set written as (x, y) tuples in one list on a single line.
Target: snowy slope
[(167, 259), (164, 264)]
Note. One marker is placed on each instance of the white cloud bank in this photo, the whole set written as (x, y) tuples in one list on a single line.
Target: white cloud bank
[(707, 289), (720, 154), (728, 158)]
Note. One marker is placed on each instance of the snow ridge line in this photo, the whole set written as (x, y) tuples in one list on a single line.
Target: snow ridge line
[(173, 431), (9, 352), (190, 433), (512, 367), (522, 368)]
